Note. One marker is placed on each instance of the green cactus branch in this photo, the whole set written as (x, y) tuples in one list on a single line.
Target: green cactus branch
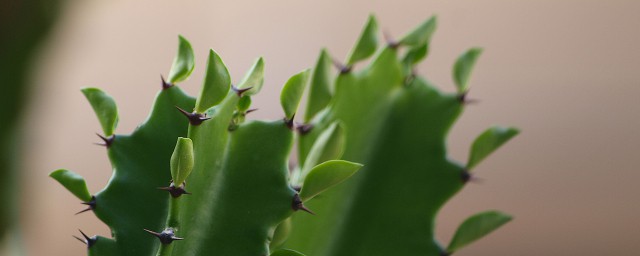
[(396, 125)]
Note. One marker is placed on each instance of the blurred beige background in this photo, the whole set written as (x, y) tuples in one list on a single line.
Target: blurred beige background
[(565, 72)]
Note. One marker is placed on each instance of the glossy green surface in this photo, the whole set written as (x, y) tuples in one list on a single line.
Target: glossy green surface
[(72, 182), (476, 227), (183, 62), (367, 43), (489, 141), (325, 176), (131, 201), (216, 83), (246, 197), (291, 93), (421, 35), (396, 124), (320, 88), (254, 79), (463, 67), (182, 160), (105, 108)]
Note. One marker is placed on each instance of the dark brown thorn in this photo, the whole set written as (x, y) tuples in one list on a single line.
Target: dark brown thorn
[(107, 140), (238, 91), (304, 208), (87, 240), (194, 118), (84, 235), (81, 240), (341, 67), (166, 236), (152, 232), (392, 43), (165, 84), (296, 188), (296, 204), (289, 122), (175, 191), (250, 110), (466, 177), (92, 205), (462, 98), (85, 210), (304, 128)]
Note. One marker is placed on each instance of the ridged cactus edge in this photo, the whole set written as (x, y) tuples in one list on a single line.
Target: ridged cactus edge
[(197, 178)]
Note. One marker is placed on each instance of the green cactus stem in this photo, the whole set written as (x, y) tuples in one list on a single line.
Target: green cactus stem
[(396, 124), (237, 171)]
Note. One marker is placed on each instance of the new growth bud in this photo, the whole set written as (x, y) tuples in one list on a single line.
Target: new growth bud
[(182, 160)]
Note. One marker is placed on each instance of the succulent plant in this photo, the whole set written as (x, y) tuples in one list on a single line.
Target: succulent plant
[(196, 178), (396, 123)]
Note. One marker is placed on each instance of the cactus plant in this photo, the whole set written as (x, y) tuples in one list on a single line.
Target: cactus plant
[(236, 171), (230, 189), (396, 124)]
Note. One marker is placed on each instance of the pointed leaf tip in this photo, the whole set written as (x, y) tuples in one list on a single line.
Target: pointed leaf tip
[(490, 140), (325, 176), (286, 252), (183, 63), (367, 43), (216, 83), (320, 88), (476, 227), (463, 67), (254, 78), (292, 93), (72, 182), (182, 161), (105, 108), (420, 35), (416, 54)]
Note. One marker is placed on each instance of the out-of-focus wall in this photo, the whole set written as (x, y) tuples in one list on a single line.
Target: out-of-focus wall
[(565, 72)]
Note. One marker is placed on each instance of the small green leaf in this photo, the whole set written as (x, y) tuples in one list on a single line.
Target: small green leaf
[(72, 182), (476, 227), (489, 141), (105, 108), (421, 35), (292, 93), (286, 252), (320, 91), (183, 63), (254, 78), (182, 161), (328, 146), (281, 234), (416, 54), (462, 68), (216, 83), (325, 176), (244, 103), (367, 43)]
